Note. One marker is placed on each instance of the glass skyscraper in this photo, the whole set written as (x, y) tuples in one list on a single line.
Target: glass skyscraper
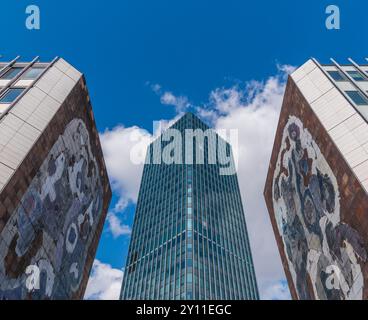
[(189, 238)]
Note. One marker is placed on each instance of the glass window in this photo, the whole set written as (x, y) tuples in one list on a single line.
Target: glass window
[(11, 73), (189, 277), (11, 94), (357, 98), (357, 76), (337, 76), (32, 73), (190, 227)]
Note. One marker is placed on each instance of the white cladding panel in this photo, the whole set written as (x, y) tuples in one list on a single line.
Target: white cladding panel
[(344, 124), (23, 124)]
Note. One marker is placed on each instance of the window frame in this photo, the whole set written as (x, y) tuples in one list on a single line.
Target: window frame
[(363, 77), (3, 75), (364, 98), (24, 75), (343, 77), (7, 91)]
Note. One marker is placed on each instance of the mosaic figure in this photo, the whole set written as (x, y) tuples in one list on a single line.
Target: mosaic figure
[(44, 245), (322, 251)]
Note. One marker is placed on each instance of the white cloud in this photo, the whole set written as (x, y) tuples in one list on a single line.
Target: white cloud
[(226, 100), (124, 174), (116, 227), (277, 291), (286, 68), (104, 282), (155, 88), (179, 102)]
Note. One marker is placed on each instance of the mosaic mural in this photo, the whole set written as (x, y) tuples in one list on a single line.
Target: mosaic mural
[(323, 253), (44, 245)]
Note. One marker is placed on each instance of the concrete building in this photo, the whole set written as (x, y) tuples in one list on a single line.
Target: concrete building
[(189, 238), (317, 184), (54, 189)]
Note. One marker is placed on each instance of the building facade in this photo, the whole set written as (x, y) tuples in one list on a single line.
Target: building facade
[(189, 238), (317, 184), (54, 189)]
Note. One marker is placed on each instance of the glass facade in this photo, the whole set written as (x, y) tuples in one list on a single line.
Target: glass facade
[(11, 73), (357, 76), (32, 73), (357, 98), (189, 238), (351, 80), (337, 76), (11, 95)]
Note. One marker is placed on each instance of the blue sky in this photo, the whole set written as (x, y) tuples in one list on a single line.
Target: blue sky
[(189, 48)]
